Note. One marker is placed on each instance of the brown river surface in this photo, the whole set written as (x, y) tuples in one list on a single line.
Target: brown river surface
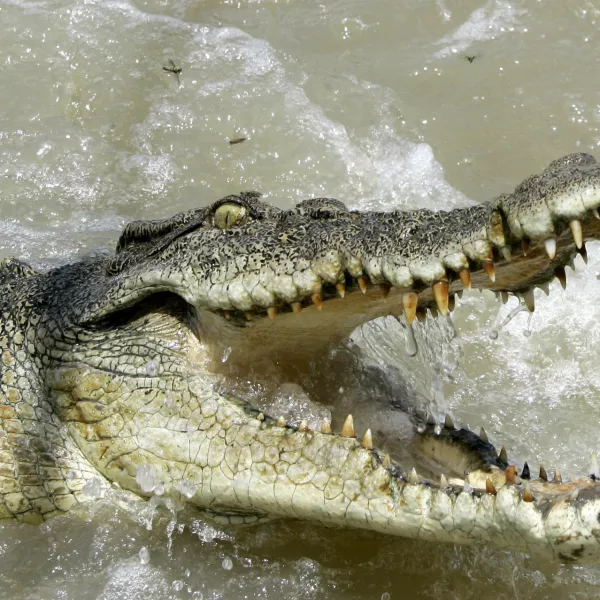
[(380, 103)]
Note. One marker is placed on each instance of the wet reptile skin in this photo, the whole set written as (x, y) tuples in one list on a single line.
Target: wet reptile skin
[(103, 363)]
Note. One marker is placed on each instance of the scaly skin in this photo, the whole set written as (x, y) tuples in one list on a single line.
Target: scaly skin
[(113, 364)]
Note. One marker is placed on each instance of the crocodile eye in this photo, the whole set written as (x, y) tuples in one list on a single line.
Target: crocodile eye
[(229, 215)]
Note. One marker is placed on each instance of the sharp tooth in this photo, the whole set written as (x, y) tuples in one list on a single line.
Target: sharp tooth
[(443, 482), (434, 312), (465, 278), (543, 474), (526, 473), (448, 422), (583, 254), (341, 289), (511, 474), (348, 427), (421, 315), (577, 230), (385, 289), (367, 441), (557, 477), (488, 267), (503, 456), (281, 422), (505, 250), (272, 312), (527, 495), (574, 495), (561, 275), (297, 307), (440, 293), (409, 302), (459, 293), (596, 213), (529, 300), (317, 300), (325, 426), (550, 244), (386, 462), (483, 436), (303, 425), (413, 477), (363, 284), (525, 245), (504, 297), (545, 287), (489, 487), (451, 302), (249, 316), (594, 466), (228, 315)]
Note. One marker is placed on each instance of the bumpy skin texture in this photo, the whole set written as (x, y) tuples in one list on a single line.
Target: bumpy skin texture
[(103, 364)]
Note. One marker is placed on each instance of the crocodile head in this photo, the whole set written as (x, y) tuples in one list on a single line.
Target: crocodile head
[(113, 367)]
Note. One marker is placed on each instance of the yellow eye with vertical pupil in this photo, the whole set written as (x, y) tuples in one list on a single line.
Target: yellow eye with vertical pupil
[(229, 215)]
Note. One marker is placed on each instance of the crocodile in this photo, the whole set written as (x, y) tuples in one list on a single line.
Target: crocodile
[(128, 370)]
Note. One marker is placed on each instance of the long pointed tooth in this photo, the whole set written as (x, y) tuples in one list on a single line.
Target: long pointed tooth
[(483, 436), (550, 244), (557, 477), (583, 253), (543, 474), (326, 426), (505, 250), (503, 456), (421, 315), (561, 275), (249, 316), (297, 307), (465, 278), (574, 495), (594, 466), (511, 474), (596, 213), (527, 495), (348, 427), (434, 312), (448, 422), (386, 462), (272, 312), (409, 302), (341, 289), (525, 245), (367, 441), (303, 425), (545, 287), (525, 473), (281, 421), (443, 482), (504, 297), (489, 487), (576, 228), (413, 477), (363, 284), (440, 293), (529, 300), (384, 288), (451, 302), (488, 267), (317, 300)]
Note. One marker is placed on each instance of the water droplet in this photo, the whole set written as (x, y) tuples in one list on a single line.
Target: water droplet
[(144, 477), (144, 555), (187, 573), (177, 585), (197, 596), (226, 354), (385, 596), (227, 564)]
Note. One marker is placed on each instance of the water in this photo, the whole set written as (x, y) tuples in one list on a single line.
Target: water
[(419, 104)]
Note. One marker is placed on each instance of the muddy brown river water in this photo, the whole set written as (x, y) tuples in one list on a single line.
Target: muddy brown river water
[(379, 103)]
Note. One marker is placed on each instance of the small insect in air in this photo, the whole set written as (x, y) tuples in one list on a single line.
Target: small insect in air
[(236, 140), (471, 58), (175, 70)]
